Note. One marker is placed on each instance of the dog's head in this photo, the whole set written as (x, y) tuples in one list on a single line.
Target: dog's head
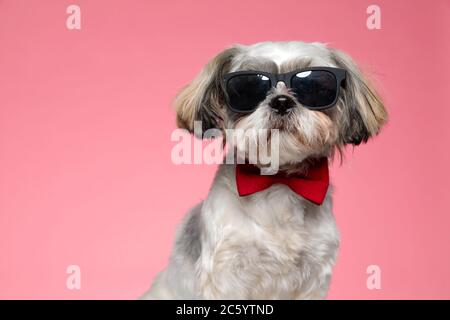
[(356, 114)]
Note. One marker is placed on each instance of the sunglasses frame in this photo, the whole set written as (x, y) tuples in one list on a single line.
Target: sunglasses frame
[(338, 73)]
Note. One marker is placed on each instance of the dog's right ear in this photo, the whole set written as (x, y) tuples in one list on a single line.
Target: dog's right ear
[(204, 98), (364, 112)]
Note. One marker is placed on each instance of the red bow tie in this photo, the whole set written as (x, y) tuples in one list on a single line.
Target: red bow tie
[(312, 186)]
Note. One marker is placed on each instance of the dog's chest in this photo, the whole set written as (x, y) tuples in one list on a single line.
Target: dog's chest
[(277, 219), (265, 248)]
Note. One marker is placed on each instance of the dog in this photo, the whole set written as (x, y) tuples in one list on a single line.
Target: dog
[(277, 242)]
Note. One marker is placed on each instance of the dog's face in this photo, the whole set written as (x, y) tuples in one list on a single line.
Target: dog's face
[(303, 133)]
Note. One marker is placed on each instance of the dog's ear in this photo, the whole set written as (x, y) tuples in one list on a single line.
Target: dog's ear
[(204, 98), (363, 110)]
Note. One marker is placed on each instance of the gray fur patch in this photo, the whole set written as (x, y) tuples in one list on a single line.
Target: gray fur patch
[(189, 242)]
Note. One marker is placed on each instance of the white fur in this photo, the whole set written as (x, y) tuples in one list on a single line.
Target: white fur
[(280, 52), (273, 244), (270, 245)]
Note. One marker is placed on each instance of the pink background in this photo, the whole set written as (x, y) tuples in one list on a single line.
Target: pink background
[(86, 176)]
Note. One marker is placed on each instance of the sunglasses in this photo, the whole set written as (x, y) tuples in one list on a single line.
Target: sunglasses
[(315, 88)]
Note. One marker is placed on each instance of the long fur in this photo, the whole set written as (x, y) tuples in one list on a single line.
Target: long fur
[(273, 244)]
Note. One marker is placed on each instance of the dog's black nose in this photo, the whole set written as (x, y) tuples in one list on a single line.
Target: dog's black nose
[(282, 103)]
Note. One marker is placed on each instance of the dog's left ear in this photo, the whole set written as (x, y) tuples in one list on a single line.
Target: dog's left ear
[(364, 113), (204, 98)]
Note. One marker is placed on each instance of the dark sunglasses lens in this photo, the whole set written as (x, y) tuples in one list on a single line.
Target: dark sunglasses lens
[(246, 91), (315, 88)]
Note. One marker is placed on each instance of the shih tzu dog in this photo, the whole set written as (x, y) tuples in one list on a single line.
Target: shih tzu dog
[(269, 236)]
